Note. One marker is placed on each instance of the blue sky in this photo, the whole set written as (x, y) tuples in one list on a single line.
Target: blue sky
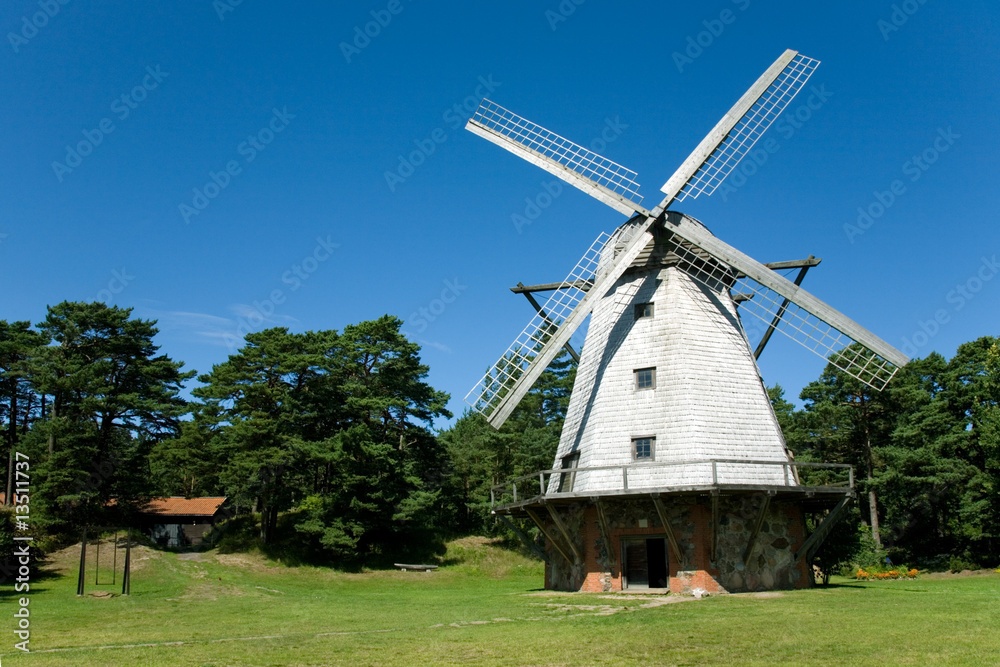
[(234, 161)]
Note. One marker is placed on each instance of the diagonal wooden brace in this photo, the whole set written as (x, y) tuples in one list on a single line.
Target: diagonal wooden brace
[(552, 540), (815, 540), (524, 538), (661, 511), (602, 521), (556, 519), (756, 528)]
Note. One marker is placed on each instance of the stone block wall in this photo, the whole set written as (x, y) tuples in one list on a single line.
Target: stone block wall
[(769, 566)]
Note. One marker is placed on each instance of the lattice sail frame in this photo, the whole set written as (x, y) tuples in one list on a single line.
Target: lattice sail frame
[(749, 129), (794, 321), (551, 146), (486, 395)]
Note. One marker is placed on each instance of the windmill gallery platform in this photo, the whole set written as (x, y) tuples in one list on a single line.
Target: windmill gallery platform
[(671, 470), (715, 537)]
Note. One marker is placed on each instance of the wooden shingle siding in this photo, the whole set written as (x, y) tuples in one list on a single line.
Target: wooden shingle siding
[(709, 401)]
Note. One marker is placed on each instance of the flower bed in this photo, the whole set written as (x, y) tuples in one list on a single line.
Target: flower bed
[(890, 575)]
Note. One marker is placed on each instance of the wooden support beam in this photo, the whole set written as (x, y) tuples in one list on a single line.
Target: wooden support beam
[(714, 546), (756, 528), (794, 263), (554, 542), (602, 521), (661, 511), (565, 533), (815, 540), (781, 311), (521, 288), (538, 309), (524, 538)]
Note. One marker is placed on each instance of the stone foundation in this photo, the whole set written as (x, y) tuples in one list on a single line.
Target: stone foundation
[(770, 565)]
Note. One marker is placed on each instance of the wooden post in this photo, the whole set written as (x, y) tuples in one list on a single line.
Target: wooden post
[(661, 511), (127, 574), (756, 528), (552, 540), (83, 564), (97, 560)]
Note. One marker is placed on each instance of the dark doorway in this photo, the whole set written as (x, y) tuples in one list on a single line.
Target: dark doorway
[(645, 563), (656, 550)]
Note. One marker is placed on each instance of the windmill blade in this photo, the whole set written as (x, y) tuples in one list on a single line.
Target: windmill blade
[(509, 379), (598, 176), (503, 386), (741, 127), (793, 311)]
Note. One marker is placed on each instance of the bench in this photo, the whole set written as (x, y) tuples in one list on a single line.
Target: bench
[(416, 568)]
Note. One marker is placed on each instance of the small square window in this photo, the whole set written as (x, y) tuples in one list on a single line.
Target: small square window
[(645, 378), (643, 310), (642, 448)]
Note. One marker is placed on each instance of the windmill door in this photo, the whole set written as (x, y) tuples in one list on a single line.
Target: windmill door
[(644, 562)]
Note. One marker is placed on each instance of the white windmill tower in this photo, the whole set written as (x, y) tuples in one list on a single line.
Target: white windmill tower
[(671, 469)]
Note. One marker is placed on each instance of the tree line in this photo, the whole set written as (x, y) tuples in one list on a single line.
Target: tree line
[(926, 453), (325, 441)]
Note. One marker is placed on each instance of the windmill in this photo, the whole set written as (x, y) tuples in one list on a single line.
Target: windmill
[(671, 469)]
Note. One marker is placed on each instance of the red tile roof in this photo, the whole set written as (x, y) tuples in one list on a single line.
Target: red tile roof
[(180, 506)]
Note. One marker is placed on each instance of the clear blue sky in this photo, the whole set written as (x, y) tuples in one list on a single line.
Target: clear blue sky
[(300, 131)]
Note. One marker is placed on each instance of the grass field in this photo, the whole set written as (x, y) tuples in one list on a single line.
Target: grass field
[(485, 607)]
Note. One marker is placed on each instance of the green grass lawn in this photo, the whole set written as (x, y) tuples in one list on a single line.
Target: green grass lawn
[(486, 607)]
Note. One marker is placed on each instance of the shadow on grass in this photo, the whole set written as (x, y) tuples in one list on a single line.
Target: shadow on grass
[(292, 548)]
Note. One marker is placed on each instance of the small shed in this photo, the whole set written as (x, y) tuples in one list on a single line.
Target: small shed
[(182, 522)]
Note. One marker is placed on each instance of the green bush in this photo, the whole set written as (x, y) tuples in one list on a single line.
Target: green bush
[(869, 555), (957, 564)]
